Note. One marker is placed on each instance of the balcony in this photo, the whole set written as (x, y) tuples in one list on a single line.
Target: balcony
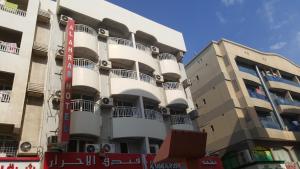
[(85, 75), (86, 41), (122, 49), (13, 10), (259, 100), (5, 96), (9, 48), (153, 115), (175, 94), (144, 48), (169, 65), (130, 85), (181, 122), (275, 82), (129, 122), (248, 73), (267, 122), (288, 106), (85, 117)]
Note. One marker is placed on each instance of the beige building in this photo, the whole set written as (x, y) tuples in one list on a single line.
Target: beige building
[(249, 104), (129, 85)]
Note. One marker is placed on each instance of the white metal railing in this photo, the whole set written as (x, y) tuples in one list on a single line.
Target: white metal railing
[(153, 115), (167, 56), (6, 47), (85, 63), (142, 47), (120, 41), (12, 10), (84, 105), (172, 85), (180, 119), (5, 96), (123, 73), (8, 148), (147, 78), (85, 28), (126, 111)]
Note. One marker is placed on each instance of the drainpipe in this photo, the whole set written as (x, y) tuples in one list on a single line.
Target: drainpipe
[(282, 126)]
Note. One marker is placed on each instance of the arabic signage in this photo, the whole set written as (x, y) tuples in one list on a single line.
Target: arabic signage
[(19, 163), (110, 161), (66, 84)]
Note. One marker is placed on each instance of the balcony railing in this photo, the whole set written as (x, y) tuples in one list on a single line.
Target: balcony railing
[(85, 28), (5, 96), (7, 47), (123, 73), (120, 41), (84, 105), (257, 95), (12, 10), (126, 111), (269, 123), (180, 119), (143, 47), (147, 78), (153, 115), (172, 85), (282, 101), (167, 56), (8, 148), (84, 63), (279, 79), (247, 70)]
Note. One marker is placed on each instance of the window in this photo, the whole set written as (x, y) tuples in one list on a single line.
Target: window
[(78, 145), (212, 128), (197, 77), (153, 148), (124, 148), (197, 106), (204, 101)]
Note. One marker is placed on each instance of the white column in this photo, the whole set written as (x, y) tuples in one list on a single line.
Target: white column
[(137, 69), (141, 106), (132, 38)]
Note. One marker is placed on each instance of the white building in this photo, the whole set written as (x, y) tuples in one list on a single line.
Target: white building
[(129, 86)]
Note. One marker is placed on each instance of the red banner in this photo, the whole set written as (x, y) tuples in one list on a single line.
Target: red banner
[(66, 84)]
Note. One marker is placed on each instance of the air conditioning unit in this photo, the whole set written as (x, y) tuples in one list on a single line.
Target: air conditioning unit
[(52, 140), (63, 20), (103, 33), (108, 148), (244, 157), (105, 64), (92, 148), (60, 54), (164, 110), (187, 83), (154, 50), (107, 102), (159, 78)]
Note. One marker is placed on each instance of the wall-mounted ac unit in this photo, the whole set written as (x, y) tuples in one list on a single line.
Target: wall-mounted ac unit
[(154, 50), (63, 20), (105, 64), (108, 148), (107, 102), (187, 83), (159, 78), (103, 33), (60, 54), (92, 148)]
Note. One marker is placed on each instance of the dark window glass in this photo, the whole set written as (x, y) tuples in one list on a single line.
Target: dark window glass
[(124, 148)]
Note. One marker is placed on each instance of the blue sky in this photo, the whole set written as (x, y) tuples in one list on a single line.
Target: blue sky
[(267, 25)]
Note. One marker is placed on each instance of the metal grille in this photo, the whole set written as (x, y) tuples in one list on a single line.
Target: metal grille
[(123, 73), (153, 115), (8, 147), (5, 96), (125, 111)]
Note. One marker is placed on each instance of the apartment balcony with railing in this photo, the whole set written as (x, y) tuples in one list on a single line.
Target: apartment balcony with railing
[(10, 41), (181, 122), (14, 7), (276, 82), (288, 105), (248, 73), (123, 49), (85, 74), (130, 122), (85, 117), (175, 94), (258, 98), (86, 42), (134, 84), (169, 65)]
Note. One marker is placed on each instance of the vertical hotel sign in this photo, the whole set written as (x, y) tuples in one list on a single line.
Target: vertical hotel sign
[(66, 84)]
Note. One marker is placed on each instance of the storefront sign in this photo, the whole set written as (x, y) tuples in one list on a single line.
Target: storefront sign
[(110, 161), (66, 84), (19, 163), (210, 163)]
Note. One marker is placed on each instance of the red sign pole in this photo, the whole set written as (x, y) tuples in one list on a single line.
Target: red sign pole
[(66, 85)]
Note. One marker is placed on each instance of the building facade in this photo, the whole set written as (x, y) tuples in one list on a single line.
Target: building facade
[(249, 103), (129, 86)]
